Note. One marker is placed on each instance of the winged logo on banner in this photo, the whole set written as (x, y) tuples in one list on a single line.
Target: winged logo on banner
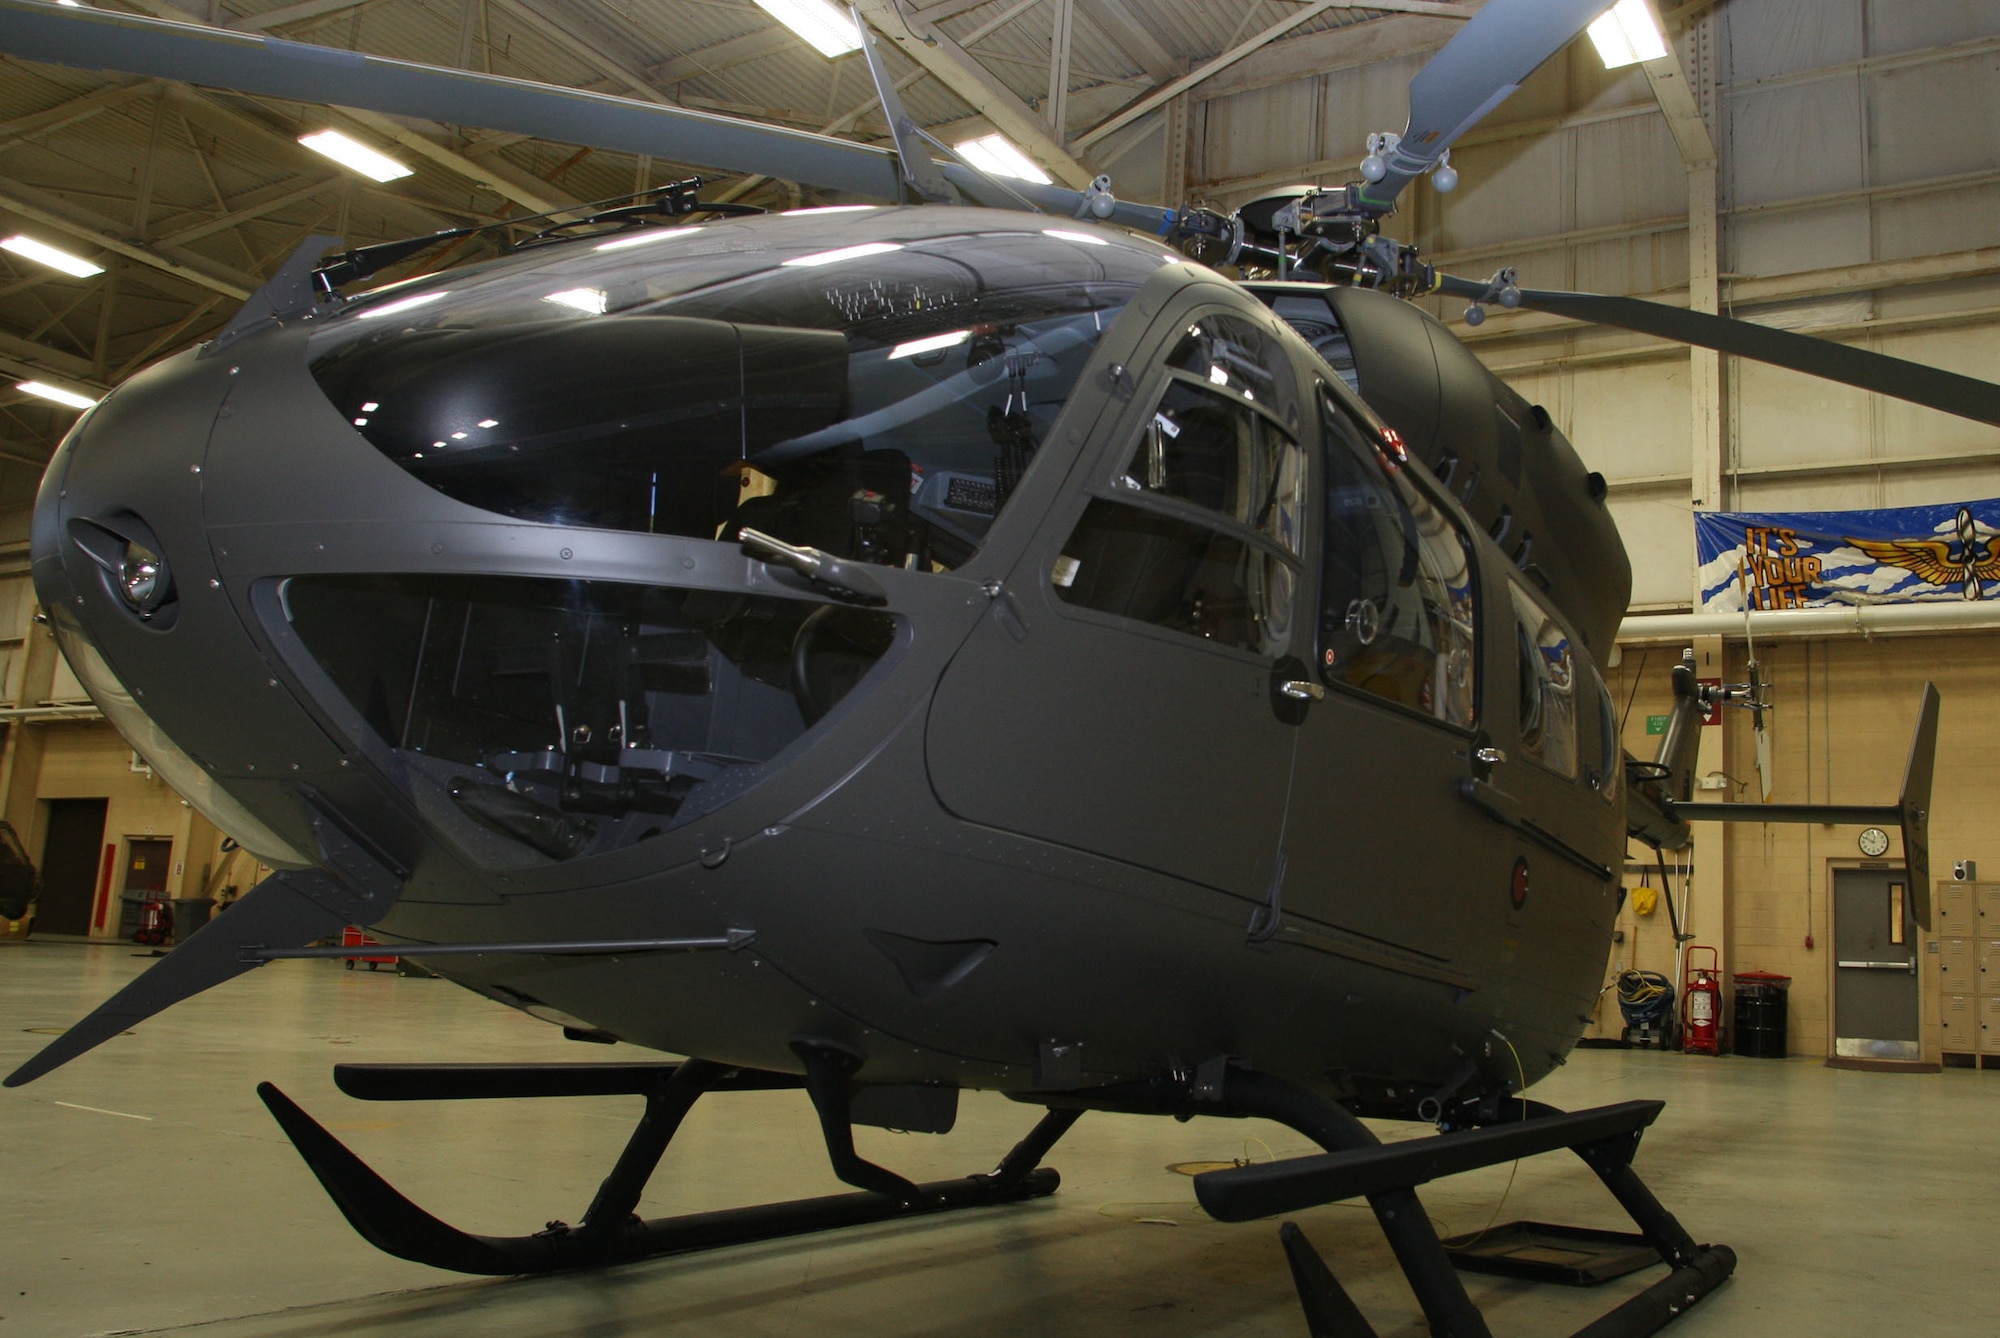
[(1968, 560)]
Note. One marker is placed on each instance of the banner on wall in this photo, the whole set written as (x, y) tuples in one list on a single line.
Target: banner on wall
[(1823, 559)]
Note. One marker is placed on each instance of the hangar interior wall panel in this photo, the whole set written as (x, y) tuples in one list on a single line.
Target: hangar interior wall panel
[(1840, 732)]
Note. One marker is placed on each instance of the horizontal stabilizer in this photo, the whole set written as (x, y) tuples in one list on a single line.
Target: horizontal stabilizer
[(290, 908), (1911, 811)]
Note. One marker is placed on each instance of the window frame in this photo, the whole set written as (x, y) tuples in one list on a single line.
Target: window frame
[(1524, 588), (1104, 481), (1332, 393)]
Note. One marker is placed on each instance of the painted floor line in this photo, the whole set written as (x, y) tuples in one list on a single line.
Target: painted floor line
[(99, 1110)]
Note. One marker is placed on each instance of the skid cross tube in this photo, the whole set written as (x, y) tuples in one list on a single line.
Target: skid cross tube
[(610, 1232)]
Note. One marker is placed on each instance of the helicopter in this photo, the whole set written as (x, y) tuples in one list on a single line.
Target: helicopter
[(889, 651)]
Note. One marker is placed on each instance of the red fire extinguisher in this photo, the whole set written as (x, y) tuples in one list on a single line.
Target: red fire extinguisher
[(1701, 1003)]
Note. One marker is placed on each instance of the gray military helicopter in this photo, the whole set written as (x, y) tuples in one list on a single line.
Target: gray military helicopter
[(888, 651)]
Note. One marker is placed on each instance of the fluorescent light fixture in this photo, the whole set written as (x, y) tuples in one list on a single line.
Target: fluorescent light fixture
[(352, 153), (844, 253), (48, 392), (48, 255), (398, 308), (583, 299), (1628, 34), (831, 209), (929, 344), (1063, 234), (646, 238), (828, 30), (996, 155)]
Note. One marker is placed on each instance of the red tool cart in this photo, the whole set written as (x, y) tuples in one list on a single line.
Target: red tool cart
[(352, 937)]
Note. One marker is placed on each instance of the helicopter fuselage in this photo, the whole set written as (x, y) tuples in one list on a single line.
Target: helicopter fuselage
[(1202, 712)]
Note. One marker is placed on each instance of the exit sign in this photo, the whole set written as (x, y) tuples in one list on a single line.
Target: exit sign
[(1656, 724)]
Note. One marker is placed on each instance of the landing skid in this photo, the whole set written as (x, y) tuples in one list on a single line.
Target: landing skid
[(1355, 1165), (610, 1232), (1358, 1165)]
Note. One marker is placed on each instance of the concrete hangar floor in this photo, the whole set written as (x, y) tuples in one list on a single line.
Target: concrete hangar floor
[(146, 1190)]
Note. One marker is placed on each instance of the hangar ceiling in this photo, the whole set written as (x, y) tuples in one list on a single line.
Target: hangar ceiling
[(188, 196)]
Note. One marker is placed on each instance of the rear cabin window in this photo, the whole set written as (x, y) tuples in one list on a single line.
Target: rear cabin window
[(1396, 598), (1547, 684)]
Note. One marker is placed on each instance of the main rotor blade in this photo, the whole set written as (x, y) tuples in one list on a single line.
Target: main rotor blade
[(95, 39), (1931, 387), (1473, 73)]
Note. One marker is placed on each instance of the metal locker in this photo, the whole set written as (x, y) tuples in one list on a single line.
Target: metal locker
[(1989, 1025), (1958, 965), (1986, 907), (1987, 951), (1960, 1031), (1956, 911)]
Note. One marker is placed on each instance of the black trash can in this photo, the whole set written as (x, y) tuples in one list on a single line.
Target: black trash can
[(190, 914), (1760, 1014)]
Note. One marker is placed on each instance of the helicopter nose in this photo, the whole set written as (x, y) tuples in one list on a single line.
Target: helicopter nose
[(123, 565)]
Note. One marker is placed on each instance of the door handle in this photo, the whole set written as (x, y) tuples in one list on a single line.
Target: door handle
[(1301, 690), (1878, 966)]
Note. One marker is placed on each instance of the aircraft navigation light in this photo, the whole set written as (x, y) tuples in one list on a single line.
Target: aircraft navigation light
[(646, 238), (352, 153), (930, 344), (844, 253), (1627, 34), (997, 155), (44, 254), (48, 392), (825, 28), (583, 299), (398, 308)]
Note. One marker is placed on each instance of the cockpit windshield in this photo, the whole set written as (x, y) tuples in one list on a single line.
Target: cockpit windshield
[(874, 384)]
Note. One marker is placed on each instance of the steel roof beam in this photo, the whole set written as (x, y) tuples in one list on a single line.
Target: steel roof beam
[(38, 359), (955, 68), (51, 210), (1251, 46)]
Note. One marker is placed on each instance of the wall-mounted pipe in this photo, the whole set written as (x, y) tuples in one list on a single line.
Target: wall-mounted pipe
[(1847, 620)]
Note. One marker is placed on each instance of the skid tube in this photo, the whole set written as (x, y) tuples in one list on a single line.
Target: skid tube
[(610, 1232), (1356, 1164)]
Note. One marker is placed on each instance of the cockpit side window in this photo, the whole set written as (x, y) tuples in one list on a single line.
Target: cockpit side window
[(1202, 532), (1397, 612)]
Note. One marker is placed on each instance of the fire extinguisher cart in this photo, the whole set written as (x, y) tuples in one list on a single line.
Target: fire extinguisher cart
[(353, 937), (1701, 1002)]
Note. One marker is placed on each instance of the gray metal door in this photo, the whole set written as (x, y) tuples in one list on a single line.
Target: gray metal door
[(1875, 1000)]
